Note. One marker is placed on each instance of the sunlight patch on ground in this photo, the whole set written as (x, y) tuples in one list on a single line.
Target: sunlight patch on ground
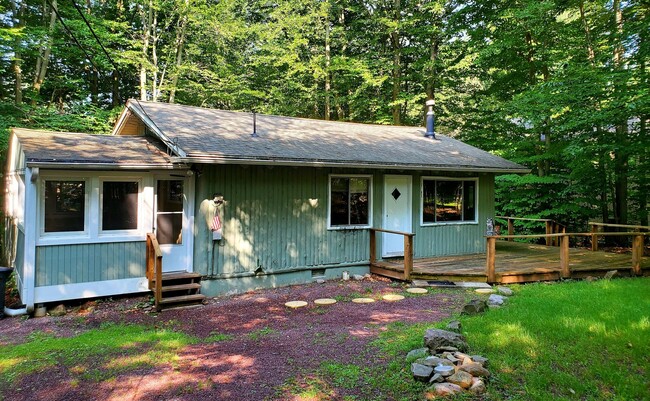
[(512, 334)]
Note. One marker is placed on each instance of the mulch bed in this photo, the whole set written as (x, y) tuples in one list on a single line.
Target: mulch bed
[(292, 342)]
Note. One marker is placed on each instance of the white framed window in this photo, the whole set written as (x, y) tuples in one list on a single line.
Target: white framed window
[(350, 201), (446, 200), (64, 205), (93, 207), (120, 205)]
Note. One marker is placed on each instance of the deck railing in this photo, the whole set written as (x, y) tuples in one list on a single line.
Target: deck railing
[(637, 250), (154, 268), (596, 226), (552, 227), (408, 249)]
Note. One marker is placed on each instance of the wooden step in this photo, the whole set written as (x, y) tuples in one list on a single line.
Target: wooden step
[(182, 299), (181, 287), (180, 276)]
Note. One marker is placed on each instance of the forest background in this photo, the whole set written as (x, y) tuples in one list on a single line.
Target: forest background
[(560, 86)]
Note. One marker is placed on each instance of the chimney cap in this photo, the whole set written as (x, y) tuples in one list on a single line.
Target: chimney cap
[(430, 102)]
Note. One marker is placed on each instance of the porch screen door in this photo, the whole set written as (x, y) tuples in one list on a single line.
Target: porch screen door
[(170, 205)]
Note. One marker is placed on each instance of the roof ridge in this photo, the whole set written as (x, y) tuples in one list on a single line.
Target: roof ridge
[(389, 126)]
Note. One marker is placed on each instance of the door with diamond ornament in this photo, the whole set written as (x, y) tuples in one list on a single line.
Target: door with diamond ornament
[(397, 214)]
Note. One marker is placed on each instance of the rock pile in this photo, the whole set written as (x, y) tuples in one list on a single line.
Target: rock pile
[(445, 365)]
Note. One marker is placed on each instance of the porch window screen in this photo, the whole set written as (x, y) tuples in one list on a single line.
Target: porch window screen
[(446, 201), (349, 197), (65, 204), (119, 205)]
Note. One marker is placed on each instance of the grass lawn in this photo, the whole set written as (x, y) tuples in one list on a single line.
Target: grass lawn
[(561, 341)]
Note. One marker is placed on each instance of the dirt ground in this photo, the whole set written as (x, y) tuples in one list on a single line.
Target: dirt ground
[(292, 342)]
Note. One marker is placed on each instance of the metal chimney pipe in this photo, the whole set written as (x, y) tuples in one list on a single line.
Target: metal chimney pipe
[(431, 117), (254, 134)]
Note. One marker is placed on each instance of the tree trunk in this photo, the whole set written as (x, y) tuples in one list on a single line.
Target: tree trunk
[(397, 61), (43, 58), (180, 46), (591, 56), (154, 58), (328, 83), (116, 89), (621, 155), (146, 16), (17, 10)]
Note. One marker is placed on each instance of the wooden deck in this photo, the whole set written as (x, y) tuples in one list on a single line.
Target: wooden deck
[(515, 263)]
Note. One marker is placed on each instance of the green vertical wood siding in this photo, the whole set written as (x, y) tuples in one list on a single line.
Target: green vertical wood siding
[(276, 219), (82, 263), (453, 239)]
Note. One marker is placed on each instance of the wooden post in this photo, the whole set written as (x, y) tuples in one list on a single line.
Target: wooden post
[(511, 229), (373, 247), (549, 230), (564, 256), (490, 270), (158, 296), (408, 256), (594, 237), (637, 254)]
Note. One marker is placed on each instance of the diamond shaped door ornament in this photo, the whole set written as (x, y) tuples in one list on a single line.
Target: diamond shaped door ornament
[(396, 193)]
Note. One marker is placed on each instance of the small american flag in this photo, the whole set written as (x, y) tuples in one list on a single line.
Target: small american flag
[(216, 222)]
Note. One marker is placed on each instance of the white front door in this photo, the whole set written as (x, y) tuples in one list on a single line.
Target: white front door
[(171, 222), (397, 213)]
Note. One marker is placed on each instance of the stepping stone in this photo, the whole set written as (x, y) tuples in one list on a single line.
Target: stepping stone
[(325, 301), (295, 304), (393, 297), (484, 291), (416, 290), (363, 300)]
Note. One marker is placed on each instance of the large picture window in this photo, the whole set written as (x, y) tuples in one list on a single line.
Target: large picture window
[(349, 201), (448, 201), (119, 205), (65, 206)]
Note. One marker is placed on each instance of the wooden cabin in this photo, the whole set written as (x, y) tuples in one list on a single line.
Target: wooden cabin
[(242, 200)]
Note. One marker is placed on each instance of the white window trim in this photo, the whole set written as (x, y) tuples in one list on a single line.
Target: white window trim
[(62, 235), (92, 218), (449, 223), (119, 233), (329, 202)]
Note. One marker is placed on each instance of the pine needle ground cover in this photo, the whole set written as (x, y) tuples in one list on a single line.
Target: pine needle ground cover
[(576, 340)]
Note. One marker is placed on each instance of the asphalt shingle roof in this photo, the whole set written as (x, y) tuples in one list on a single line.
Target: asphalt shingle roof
[(207, 134), (75, 148)]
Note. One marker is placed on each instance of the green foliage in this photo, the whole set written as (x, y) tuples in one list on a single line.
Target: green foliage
[(578, 340), (503, 75), (124, 347)]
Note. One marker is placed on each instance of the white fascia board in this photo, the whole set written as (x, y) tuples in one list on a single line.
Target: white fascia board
[(154, 128), (105, 166), (94, 289)]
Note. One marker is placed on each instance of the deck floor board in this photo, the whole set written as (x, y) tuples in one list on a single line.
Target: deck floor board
[(519, 263)]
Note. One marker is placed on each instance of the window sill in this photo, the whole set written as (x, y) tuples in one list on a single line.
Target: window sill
[(85, 239), (449, 223), (340, 228)]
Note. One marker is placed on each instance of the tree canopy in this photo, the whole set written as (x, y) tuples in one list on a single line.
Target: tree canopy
[(559, 86)]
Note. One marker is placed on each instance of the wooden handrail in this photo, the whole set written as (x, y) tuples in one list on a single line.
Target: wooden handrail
[(154, 268), (392, 231), (408, 249), (595, 233), (637, 250), (521, 218), (619, 225), (552, 227)]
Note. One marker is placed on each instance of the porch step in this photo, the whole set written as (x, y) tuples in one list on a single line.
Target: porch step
[(180, 276), (182, 299), (179, 289)]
